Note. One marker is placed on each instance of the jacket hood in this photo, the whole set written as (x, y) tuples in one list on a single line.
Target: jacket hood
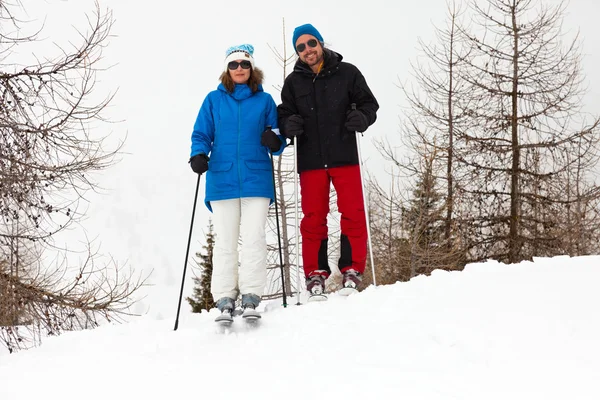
[(243, 91)]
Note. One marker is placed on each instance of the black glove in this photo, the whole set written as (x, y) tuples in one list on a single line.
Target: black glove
[(294, 126), (199, 163), (356, 121), (270, 140)]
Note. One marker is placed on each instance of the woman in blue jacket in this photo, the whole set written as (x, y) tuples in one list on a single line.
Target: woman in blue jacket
[(236, 129)]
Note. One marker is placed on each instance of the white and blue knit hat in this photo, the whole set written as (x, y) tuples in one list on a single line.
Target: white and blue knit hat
[(241, 52)]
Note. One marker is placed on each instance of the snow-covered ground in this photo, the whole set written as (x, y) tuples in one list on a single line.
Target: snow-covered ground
[(526, 331)]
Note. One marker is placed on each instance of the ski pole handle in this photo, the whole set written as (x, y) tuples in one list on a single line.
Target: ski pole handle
[(353, 107)]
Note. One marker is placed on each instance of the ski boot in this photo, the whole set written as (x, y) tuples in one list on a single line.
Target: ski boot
[(350, 282), (249, 304), (226, 305), (315, 285)]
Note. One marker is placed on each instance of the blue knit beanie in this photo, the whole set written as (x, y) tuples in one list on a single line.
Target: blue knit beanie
[(306, 29)]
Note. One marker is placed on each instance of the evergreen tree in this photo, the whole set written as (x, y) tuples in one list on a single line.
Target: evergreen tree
[(202, 298), (424, 220)]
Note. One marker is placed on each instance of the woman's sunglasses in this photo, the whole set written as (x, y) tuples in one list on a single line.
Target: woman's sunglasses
[(302, 46), (233, 65)]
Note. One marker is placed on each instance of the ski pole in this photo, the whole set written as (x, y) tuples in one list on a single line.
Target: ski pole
[(187, 252), (277, 223), (296, 216), (362, 184)]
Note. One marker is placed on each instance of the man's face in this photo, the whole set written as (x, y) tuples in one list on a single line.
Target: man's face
[(312, 52)]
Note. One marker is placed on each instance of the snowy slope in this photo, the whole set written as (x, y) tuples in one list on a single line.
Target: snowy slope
[(526, 331)]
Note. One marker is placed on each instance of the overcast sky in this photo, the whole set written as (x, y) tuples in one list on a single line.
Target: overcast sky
[(168, 56)]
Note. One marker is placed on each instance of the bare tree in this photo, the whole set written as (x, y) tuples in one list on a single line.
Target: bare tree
[(283, 170), (437, 104), (495, 120), (44, 302), (577, 217), (526, 97), (409, 229), (428, 131), (49, 152)]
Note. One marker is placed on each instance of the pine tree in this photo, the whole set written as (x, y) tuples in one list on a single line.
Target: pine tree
[(424, 220), (202, 298)]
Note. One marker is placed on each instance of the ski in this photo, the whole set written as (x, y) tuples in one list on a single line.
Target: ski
[(316, 297), (225, 319), (250, 315), (347, 291)]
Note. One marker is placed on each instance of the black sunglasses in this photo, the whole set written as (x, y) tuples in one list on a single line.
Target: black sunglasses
[(302, 46), (233, 65)]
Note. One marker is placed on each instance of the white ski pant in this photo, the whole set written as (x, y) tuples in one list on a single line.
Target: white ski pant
[(233, 219)]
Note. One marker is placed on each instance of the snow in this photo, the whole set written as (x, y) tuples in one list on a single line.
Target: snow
[(493, 331), (527, 331)]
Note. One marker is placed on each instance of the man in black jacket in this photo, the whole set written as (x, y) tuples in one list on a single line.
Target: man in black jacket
[(325, 101)]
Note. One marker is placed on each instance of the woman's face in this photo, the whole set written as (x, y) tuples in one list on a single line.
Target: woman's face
[(240, 70)]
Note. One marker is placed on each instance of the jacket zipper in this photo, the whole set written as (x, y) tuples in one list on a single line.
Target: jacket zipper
[(320, 138), (238, 147)]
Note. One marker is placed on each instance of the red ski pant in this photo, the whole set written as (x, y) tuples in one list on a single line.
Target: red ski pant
[(314, 189)]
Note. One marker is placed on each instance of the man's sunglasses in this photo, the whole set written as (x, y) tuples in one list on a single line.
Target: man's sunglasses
[(233, 65), (302, 46)]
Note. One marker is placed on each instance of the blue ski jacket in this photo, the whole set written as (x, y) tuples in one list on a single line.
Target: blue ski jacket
[(228, 129)]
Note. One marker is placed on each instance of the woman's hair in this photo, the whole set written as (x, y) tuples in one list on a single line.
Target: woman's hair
[(256, 78)]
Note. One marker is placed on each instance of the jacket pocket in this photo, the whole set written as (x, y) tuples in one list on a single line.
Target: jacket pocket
[(257, 177), (304, 101), (258, 165), (221, 180), (219, 166)]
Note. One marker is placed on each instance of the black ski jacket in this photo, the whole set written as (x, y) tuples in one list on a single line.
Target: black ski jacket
[(323, 100)]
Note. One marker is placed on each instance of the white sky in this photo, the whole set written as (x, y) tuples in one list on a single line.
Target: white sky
[(168, 56), (494, 332)]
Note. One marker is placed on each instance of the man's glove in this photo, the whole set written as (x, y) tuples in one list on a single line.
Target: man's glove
[(270, 140), (356, 121), (199, 163), (294, 126)]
